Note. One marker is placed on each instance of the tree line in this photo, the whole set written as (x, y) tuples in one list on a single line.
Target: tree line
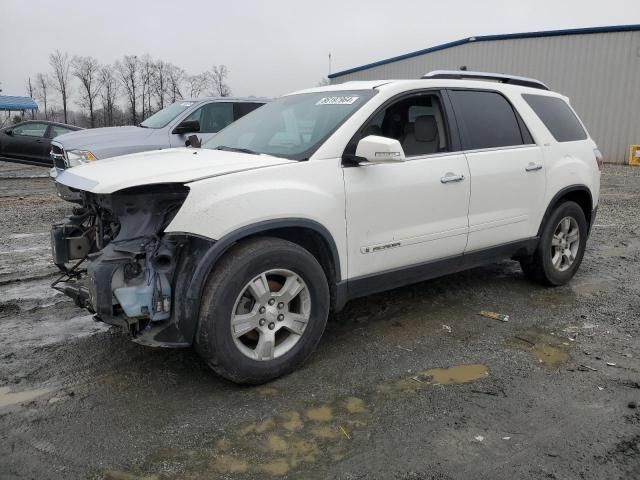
[(126, 92)]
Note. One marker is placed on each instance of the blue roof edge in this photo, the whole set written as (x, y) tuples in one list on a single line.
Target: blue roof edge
[(486, 38)]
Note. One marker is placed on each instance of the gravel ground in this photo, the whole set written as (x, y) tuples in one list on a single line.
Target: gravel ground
[(410, 384)]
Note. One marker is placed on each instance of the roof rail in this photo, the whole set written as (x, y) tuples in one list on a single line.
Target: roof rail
[(498, 77)]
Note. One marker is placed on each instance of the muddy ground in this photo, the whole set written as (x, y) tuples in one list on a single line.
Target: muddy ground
[(409, 384)]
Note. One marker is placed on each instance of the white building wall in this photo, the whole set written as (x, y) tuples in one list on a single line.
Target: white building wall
[(599, 72)]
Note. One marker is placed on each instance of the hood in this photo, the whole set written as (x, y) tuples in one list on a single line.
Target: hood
[(177, 165), (94, 137)]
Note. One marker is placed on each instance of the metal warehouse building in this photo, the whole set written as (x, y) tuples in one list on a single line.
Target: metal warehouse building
[(597, 68)]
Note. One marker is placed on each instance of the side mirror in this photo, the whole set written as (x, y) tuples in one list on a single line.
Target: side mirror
[(9, 132), (193, 141), (188, 126), (377, 149)]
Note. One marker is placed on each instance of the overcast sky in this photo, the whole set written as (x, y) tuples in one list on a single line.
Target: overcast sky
[(274, 46)]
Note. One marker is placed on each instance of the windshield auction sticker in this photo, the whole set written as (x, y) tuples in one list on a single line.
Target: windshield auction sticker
[(337, 100)]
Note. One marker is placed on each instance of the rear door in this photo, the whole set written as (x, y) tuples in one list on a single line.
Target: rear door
[(27, 142), (507, 169)]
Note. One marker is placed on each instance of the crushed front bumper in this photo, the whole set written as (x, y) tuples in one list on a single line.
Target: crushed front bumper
[(119, 265)]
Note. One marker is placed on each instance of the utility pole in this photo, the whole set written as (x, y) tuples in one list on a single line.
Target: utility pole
[(329, 63)]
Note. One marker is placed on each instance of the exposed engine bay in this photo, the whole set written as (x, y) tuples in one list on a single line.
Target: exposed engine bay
[(115, 259)]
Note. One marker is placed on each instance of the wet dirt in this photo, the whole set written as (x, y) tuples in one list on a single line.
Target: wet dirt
[(549, 349), (7, 397), (408, 384), (298, 442)]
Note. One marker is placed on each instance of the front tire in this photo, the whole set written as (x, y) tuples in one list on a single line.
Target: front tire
[(561, 247), (263, 311)]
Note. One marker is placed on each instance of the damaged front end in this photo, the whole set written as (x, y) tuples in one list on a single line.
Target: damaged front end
[(118, 263)]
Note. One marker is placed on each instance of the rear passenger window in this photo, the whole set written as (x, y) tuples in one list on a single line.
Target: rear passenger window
[(557, 116), (486, 120)]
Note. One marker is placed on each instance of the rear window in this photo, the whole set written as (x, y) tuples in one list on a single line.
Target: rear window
[(557, 116), (486, 120)]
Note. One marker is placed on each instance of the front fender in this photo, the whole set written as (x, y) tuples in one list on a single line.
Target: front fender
[(200, 257), (312, 191)]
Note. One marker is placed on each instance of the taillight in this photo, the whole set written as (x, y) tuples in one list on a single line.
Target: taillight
[(599, 158)]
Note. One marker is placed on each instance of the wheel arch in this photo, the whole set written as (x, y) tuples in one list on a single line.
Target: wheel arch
[(309, 234), (579, 194)]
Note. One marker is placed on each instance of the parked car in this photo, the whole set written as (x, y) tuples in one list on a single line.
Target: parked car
[(243, 247), (170, 127), (30, 141)]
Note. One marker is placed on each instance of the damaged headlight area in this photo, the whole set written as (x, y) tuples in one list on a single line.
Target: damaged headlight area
[(115, 258)]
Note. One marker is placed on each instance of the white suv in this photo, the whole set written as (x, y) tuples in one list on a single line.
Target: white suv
[(244, 246)]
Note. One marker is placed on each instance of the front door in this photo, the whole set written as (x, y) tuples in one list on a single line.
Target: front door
[(507, 169), (27, 142), (407, 213), (212, 117)]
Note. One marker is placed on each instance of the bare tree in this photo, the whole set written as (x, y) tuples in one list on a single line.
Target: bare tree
[(31, 92), (218, 78), (129, 73), (176, 76), (42, 87), (60, 63), (146, 77), (197, 84), (87, 69), (160, 82), (108, 94)]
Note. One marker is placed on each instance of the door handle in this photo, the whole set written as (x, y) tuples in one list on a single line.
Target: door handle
[(451, 177), (533, 167)]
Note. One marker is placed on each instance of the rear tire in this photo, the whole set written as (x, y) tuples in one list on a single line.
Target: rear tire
[(263, 310), (561, 247)]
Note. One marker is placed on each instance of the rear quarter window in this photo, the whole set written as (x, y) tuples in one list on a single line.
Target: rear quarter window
[(557, 116)]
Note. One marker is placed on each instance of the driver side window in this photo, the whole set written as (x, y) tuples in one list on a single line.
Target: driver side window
[(417, 122), (213, 117)]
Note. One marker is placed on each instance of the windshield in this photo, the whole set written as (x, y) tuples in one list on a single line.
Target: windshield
[(163, 117), (293, 126)]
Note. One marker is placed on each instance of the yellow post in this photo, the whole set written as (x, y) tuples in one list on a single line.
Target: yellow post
[(634, 155)]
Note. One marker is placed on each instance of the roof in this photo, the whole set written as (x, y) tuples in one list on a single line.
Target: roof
[(225, 99), (352, 85), (397, 86), (48, 122), (8, 102), (488, 38)]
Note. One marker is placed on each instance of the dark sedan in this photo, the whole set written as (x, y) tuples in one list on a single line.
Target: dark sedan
[(30, 142)]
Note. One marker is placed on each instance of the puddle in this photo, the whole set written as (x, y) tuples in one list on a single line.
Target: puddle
[(296, 440), (319, 414), (553, 297), (592, 288), (625, 248), (267, 391), (7, 397), (394, 322), (550, 351), (458, 374), (49, 328), (20, 236), (37, 290), (277, 445)]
